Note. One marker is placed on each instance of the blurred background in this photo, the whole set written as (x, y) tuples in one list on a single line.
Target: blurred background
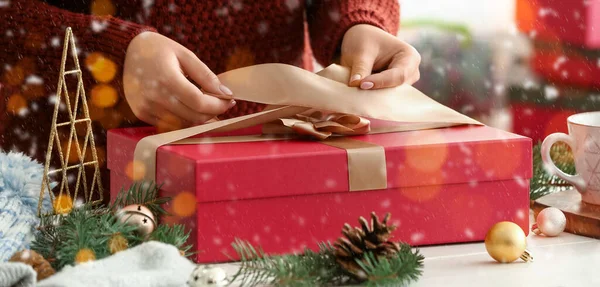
[(519, 65)]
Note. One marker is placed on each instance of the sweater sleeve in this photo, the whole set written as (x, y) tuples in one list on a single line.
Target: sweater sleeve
[(328, 21), (31, 45), (31, 25)]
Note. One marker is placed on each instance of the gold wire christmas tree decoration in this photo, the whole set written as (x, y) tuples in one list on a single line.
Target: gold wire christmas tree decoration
[(62, 92)]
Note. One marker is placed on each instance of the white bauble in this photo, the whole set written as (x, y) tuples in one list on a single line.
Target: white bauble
[(207, 276), (551, 221)]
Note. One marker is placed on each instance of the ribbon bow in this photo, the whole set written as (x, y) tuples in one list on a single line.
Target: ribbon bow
[(319, 125)]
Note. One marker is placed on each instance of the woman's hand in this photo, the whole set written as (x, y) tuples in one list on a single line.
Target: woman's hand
[(158, 91), (366, 48)]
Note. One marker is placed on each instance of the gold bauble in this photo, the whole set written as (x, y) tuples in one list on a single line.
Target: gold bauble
[(117, 243), (85, 255), (506, 242), (139, 216)]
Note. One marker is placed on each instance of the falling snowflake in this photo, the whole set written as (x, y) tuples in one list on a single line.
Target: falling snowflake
[(230, 186), (550, 93), (520, 214), (172, 7), (469, 233), (521, 182), (9, 33), (559, 61), (217, 241), (334, 15), (330, 183), (230, 210), (417, 236), (34, 80), (292, 4), (263, 27), (55, 42), (23, 112), (222, 12), (237, 5), (532, 34), (386, 203), (99, 26), (499, 89), (543, 12)]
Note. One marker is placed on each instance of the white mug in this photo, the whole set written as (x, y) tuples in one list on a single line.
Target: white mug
[(584, 140)]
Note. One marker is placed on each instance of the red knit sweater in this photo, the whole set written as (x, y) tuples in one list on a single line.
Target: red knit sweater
[(225, 34)]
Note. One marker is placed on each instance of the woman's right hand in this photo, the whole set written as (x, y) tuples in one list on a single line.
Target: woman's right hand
[(158, 91)]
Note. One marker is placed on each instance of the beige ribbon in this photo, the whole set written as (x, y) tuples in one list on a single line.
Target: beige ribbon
[(291, 91)]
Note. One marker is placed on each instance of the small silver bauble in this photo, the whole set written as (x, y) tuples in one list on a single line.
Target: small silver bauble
[(551, 221)]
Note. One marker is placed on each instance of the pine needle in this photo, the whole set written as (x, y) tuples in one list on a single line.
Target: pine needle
[(174, 235), (142, 193), (400, 270), (321, 269), (543, 183)]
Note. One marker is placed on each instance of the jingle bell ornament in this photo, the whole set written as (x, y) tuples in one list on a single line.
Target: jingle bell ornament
[(550, 221), (139, 216), (207, 276), (506, 242)]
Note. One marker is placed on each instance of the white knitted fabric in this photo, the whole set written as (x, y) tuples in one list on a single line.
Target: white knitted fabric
[(150, 264), (20, 185), (17, 274)]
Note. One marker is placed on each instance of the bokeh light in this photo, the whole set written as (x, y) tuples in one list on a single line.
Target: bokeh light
[(184, 204), (135, 170), (428, 158), (102, 68), (241, 57), (71, 154), (15, 104), (14, 76), (104, 96), (102, 8), (63, 204)]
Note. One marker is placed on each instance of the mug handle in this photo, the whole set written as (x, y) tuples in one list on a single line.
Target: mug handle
[(576, 179)]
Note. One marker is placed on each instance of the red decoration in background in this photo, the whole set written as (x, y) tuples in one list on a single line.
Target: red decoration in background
[(537, 122), (571, 21)]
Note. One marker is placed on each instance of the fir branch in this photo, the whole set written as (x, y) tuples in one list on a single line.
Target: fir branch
[(543, 183), (61, 237), (307, 269), (174, 235), (47, 239), (399, 270), (141, 193)]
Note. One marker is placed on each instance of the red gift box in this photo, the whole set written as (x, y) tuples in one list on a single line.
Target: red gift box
[(567, 65), (443, 186), (573, 21), (537, 122)]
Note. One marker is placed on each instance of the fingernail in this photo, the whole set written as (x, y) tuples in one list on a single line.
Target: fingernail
[(225, 90), (356, 77), (231, 104), (366, 85)]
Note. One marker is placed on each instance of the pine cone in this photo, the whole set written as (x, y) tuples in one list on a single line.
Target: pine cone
[(358, 241), (41, 266)]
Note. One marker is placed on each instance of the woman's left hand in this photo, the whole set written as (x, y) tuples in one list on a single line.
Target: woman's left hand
[(367, 48)]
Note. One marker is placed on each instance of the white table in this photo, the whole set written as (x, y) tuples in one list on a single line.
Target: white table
[(566, 260)]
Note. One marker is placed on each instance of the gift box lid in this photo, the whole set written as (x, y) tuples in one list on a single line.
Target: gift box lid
[(261, 169)]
